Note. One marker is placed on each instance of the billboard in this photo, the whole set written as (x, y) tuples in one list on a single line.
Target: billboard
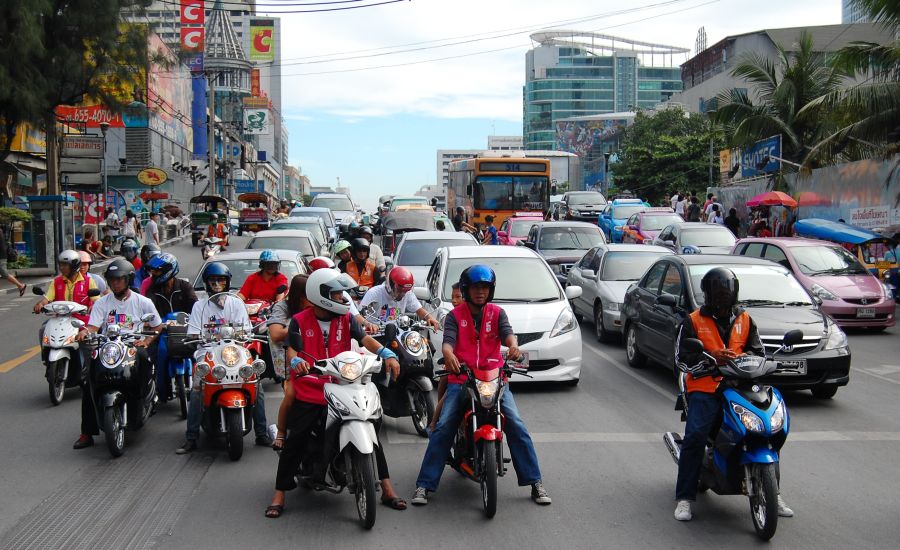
[(198, 116), (254, 83), (581, 136), (169, 94), (192, 12), (256, 121), (749, 161), (262, 40)]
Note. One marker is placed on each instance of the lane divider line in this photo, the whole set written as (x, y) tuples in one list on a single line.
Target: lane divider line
[(13, 363), (669, 394)]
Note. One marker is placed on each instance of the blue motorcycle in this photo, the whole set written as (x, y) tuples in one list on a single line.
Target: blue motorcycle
[(175, 361), (742, 456)]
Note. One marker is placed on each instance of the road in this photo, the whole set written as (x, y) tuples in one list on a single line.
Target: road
[(600, 447)]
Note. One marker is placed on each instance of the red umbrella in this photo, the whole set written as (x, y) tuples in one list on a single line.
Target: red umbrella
[(772, 198), (811, 198)]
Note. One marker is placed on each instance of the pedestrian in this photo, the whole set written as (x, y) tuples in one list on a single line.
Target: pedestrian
[(152, 229), (459, 219), (680, 205), (693, 212), (709, 200), (5, 249), (674, 200), (715, 215), (112, 222), (713, 200), (490, 234), (732, 222)]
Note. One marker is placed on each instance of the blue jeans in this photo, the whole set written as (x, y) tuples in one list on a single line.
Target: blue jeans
[(703, 411), (195, 413), (440, 440)]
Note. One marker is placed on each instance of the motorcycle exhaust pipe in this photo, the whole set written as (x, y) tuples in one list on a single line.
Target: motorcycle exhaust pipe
[(673, 443)]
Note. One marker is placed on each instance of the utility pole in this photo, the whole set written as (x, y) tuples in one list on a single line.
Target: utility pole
[(211, 139)]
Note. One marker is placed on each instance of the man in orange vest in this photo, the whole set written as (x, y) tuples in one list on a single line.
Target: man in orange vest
[(218, 229), (727, 331), (363, 270)]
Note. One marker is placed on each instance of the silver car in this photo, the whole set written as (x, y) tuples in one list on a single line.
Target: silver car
[(604, 274)]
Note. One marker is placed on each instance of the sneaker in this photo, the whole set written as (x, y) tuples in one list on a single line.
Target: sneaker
[(83, 442), (189, 446), (539, 494), (683, 510), (420, 497), (263, 440), (783, 510)]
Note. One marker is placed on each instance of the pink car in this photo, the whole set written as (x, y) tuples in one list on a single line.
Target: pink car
[(515, 228), (849, 293)]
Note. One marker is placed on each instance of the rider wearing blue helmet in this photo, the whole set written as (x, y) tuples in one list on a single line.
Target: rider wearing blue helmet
[(266, 283), (473, 334), (129, 251)]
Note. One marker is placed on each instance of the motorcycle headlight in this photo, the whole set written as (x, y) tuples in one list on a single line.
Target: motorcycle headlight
[(218, 372), (822, 293), (835, 337), (564, 323), (487, 391), (350, 370), (778, 418), (61, 309), (246, 371), (111, 354), (259, 366), (748, 418), (202, 369), (231, 355), (413, 342)]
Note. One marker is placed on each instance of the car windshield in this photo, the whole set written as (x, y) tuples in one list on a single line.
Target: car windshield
[(313, 228), (759, 285), (657, 223), (626, 211), (241, 269), (324, 214), (512, 283), (422, 251), (570, 238), (713, 236), (511, 192), (627, 266), (300, 244), (520, 228), (585, 198), (407, 202), (333, 203), (826, 260)]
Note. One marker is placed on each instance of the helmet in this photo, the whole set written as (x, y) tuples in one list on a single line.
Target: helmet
[(148, 251), (320, 262), (269, 257), (70, 258), (474, 274), (400, 279), (360, 244), (120, 268), (85, 257), (366, 230), (353, 225), (322, 283), (165, 262), (340, 246), (720, 288), (215, 269), (129, 249)]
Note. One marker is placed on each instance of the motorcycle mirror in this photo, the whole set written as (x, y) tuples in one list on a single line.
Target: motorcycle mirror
[(37, 291), (77, 323), (692, 345), (281, 289), (94, 292), (792, 338)]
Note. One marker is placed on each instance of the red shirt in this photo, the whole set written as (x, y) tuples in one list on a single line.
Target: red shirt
[(256, 288), (136, 262)]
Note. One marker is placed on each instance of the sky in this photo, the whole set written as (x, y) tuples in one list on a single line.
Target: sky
[(378, 128)]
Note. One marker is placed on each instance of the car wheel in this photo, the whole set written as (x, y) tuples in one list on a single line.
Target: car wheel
[(824, 391), (635, 358), (600, 331)]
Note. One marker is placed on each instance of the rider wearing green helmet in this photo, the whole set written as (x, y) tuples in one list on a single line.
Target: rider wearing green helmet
[(342, 252)]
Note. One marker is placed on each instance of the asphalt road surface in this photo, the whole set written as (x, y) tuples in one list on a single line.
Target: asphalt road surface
[(599, 444)]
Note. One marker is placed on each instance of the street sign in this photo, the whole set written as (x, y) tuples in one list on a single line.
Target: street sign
[(244, 186), (83, 146), (152, 177), (79, 165), (81, 179)]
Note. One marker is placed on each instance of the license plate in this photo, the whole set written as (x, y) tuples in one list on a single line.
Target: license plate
[(865, 312), (791, 368)]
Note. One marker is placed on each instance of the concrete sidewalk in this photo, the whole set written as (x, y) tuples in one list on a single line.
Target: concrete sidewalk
[(7, 288)]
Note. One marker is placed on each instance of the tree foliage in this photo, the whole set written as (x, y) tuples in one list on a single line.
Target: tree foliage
[(666, 151), (9, 215)]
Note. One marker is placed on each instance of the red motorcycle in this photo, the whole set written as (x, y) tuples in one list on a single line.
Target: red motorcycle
[(259, 347), (477, 451)]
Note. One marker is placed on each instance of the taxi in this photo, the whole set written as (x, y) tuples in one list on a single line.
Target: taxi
[(646, 225), (515, 228)]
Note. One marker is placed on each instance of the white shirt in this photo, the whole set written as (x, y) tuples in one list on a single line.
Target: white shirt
[(709, 208), (674, 201), (207, 312), (679, 207), (128, 227), (376, 254), (715, 219), (112, 223), (152, 231), (390, 308), (126, 313)]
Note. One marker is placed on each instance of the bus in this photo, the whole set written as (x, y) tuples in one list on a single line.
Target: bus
[(498, 186)]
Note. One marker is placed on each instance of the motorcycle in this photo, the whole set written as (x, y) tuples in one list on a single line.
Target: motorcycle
[(176, 358), (230, 378), (211, 247), (258, 311), (354, 409), (120, 398), (742, 457), (59, 350), (477, 451), (412, 393)]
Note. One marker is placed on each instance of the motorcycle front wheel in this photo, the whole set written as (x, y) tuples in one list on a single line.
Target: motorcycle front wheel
[(364, 480), (489, 478), (114, 430), (423, 411), (56, 379), (234, 434), (764, 502)]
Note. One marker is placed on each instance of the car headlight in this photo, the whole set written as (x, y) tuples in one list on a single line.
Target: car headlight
[(835, 337), (111, 354), (778, 418), (202, 369), (888, 291), (487, 391), (612, 306), (350, 370), (246, 371), (748, 418), (231, 355), (413, 342), (564, 323), (218, 372), (822, 293)]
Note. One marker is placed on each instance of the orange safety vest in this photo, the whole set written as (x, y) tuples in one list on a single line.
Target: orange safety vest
[(367, 277), (216, 230), (706, 330)]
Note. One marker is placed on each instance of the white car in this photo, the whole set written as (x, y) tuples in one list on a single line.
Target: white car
[(417, 249), (289, 239), (244, 262), (536, 304)]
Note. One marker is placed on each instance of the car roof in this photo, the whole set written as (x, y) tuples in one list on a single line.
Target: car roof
[(567, 224), (283, 233), (436, 236), (299, 219), (615, 247), (478, 251), (620, 202), (582, 193), (720, 259), (789, 242), (311, 209), (331, 195), (701, 226), (409, 197), (658, 210), (253, 254)]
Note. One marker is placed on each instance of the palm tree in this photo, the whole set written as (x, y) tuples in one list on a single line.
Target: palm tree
[(783, 89)]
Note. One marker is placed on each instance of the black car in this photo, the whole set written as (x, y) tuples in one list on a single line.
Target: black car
[(562, 244), (583, 206), (777, 302)]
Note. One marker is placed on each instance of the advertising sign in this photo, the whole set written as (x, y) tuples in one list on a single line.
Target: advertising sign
[(873, 217), (254, 83), (198, 116), (192, 12), (244, 186), (90, 115), (152, 177), (83, 146), (752, 156), (581, 136), (192, 39), (262, 40), (256, 121)]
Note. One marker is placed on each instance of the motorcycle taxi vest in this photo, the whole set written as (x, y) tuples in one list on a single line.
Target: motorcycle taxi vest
[(311, 388), (367, 277), (708, 333), (216, 230), (79, 293), (477, 350)]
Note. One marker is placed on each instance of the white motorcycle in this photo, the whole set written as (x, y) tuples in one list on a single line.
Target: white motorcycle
[(59, 350), (211, 247), (350, 437)]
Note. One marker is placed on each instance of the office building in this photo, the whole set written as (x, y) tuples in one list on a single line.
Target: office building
[(505, 143), (852, 13)]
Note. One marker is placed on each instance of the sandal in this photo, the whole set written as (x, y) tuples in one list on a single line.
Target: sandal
[(274, 511), (22, 290), (396, 503)]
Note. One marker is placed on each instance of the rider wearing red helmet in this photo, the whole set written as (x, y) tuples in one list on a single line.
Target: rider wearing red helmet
[(395, 298), (321, 262)]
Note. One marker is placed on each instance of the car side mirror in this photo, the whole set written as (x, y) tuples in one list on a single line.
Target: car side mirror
[(573, 292), (588, 274), (469, 190), (792, 338), (667, 300), (692, 345), (422, 293), (529, 244), (502, 234), (817, 300)]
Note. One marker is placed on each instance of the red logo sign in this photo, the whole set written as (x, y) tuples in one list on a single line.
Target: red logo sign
[(192, 38), (192, 12), (262, 40), (254, 83)]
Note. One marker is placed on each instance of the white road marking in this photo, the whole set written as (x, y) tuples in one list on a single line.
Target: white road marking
[(875, 374), (667, 393), (884, 370)]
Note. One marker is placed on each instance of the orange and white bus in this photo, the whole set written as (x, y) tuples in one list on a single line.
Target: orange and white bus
[(498, 186)]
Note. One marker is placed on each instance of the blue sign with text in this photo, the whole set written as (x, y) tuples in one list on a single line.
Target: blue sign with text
[(760, 158)]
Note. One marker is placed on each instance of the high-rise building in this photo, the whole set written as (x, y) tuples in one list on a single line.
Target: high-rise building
[(852, 13), (576, 73), (505, 143)]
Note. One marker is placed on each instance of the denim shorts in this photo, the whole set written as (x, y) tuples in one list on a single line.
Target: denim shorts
[(3, 272)]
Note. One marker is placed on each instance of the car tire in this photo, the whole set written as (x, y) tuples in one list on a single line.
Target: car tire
[(824, 391), (635, 358), (603, 336)]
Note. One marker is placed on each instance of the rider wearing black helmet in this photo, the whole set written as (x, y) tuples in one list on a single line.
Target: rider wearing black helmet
[(361, 267), (375, 252), (726, 331), (148, 251)]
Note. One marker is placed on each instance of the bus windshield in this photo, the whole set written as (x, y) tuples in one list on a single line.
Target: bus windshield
[(511, 192)]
